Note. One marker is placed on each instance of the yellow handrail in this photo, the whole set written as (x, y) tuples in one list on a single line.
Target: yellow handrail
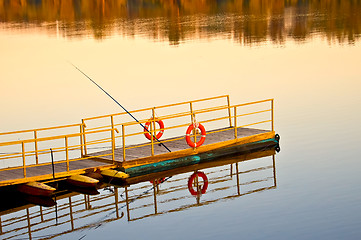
[(203, 114)]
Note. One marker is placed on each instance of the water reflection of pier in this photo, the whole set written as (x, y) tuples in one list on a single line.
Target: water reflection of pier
[(228, 178)]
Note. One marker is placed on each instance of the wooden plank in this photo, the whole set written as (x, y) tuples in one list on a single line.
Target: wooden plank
[(44, 172), (213, 137)]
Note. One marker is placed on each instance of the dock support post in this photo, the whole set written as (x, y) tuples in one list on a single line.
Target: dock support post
[(71, 214), (116, 201), (155, 196), (23, 154), (274, 170), (29, 225), (127, 202), (237, 173), (41, 214)]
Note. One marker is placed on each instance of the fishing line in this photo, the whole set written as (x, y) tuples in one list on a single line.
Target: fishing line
[(119, 105)]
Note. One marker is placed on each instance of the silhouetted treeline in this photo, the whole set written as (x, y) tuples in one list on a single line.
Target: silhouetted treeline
[(245, 21)]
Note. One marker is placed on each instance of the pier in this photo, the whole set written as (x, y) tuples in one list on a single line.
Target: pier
[(116, 141)]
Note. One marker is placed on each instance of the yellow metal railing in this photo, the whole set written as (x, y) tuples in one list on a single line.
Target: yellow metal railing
[(23, 134), (233, 114), (53, 146), (100, 133), (231, 110)]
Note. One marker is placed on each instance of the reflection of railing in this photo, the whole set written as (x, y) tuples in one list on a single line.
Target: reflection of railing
[(221, 183), (228, 178), (71, 214)]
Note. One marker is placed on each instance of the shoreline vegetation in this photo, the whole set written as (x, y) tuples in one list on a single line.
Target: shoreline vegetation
[(246, 22)]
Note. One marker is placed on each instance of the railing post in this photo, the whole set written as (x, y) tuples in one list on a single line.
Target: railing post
[(84, 138), (113, 145), (67, 153), (123, 140), (152, 131), (229, 111), (191, 108), (193, 117), (272, 107), (235, 122), (23, 154), (112, 126), (36, 147), (81, 141)]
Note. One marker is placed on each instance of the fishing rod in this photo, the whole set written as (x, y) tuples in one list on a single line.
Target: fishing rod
[(119, 105)]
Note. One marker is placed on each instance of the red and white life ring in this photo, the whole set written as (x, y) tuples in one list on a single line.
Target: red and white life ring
[(159, 134), (188, 135), (193, 191)]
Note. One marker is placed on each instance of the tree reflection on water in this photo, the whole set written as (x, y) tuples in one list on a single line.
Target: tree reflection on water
[(245, 22)]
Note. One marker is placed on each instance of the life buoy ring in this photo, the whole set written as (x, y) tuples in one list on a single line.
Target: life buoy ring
[(193, 191), (157, 181), (159, 134), (188, 135)]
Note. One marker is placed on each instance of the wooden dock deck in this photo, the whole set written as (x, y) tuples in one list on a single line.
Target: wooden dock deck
[(140, 154), (45, 172)]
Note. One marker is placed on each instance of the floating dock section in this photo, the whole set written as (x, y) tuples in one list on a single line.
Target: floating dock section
[(164, 137)]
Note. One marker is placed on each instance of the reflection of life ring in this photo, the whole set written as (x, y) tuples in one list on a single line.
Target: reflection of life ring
[(188, 135), (158, 181), (146, 131), (190, 183)]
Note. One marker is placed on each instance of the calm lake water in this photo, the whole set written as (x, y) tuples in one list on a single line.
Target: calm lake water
[(304, 54)]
